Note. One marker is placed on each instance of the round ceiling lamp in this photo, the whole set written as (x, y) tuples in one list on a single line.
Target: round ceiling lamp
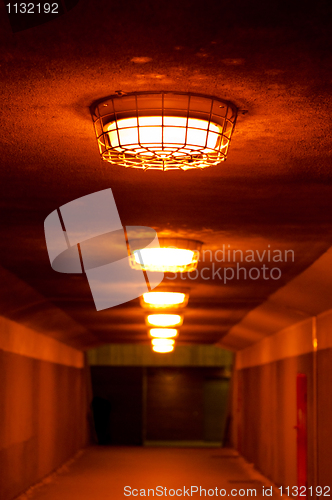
[(164, 320), (163, 333), (162, 345), (175, 255), (164, 130), (165, 299)]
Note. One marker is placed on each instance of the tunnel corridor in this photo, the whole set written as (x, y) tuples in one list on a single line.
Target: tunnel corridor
[(165, 314), (274, 412)]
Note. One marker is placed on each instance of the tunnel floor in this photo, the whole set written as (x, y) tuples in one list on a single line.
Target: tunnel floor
[(103, 473)]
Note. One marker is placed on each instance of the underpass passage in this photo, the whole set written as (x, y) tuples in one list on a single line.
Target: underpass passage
[(105, 472)]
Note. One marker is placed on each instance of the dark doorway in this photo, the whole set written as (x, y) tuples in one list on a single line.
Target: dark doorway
[(215, 408), (174, 404), (117, 404), (159, 405)]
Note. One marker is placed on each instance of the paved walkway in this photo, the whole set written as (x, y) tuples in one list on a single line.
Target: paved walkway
[(107, 473)]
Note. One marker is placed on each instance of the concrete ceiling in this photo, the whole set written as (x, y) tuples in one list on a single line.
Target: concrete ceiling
[(272, 59), (307, 295)]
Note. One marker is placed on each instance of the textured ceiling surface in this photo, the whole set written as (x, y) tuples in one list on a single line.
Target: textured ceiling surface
[(274, 192)]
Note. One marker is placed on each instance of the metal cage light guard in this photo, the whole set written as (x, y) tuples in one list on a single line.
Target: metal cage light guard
[(164, 130)]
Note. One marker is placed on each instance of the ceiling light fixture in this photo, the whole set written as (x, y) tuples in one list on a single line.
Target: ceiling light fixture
[(162, 345), (175, 255), (164, 130), (164, 299), (164, 320), (163, 333)]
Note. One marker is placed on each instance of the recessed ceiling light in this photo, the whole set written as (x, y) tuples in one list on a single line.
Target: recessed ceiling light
[(163, 333), (162, 345), (164, 130), (164, 320), (175, 255)]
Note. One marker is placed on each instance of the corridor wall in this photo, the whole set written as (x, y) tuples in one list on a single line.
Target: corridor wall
[(264, 401), (44, 406)]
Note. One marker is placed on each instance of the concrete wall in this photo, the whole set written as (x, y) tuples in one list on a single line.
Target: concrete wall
[(142, 355), (43, 400), (264, 401)]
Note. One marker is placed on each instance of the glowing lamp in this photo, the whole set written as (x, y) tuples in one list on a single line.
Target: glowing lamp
[(163, 333), (164, 320), (164, 300), (162, 345), (175, 255), (164, 130), (168, 257)]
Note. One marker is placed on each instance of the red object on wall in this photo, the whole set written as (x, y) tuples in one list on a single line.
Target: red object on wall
[(301, 397), (239, 409)]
